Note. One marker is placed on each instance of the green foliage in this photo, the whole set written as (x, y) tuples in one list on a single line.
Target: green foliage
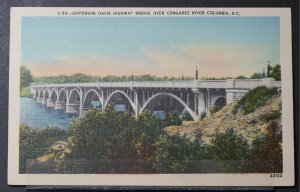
[(176, 154), (25, 92), (235, 109), (76, 78), (253, 99), (241, 77), (148, 129), (110, 136), (276, 72), (186, 117), (35, 142), (215, 109), (216, 78), (266, 152), (270, 116), (230, 149), (256, 76), (203, 115), (25, 77), (173, 118)]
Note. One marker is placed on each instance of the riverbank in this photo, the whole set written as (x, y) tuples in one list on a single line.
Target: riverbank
[(25, 91)]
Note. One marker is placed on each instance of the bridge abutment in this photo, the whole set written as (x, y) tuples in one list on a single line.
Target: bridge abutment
[(234, 94)]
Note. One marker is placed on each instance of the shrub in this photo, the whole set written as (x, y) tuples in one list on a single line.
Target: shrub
[(36, 142), (266, 152), (203, 115), (173, 119), (186, 117), (176, 154), (120, 142), (215, 109), (254, 98), (230, 149), (270, 116)]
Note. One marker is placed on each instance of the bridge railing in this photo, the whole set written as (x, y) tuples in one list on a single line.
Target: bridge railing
[(215, 84), (252, 83)]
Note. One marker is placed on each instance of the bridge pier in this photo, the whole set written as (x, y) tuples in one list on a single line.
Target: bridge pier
[(50, 103), (59, 105), (39, 100), (73, 108), (201, 104), (44, 101), (84, 112), (136, 104)]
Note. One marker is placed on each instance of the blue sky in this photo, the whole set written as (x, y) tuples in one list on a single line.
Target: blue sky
[(157, 45)]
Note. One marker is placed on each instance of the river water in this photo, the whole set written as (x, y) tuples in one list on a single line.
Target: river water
[(36, 115)]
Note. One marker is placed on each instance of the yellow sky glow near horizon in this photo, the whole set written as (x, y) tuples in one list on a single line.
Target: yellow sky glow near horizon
[(212, 61)]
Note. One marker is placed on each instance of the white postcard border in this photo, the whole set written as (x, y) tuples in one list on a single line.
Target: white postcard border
[(245, 179)]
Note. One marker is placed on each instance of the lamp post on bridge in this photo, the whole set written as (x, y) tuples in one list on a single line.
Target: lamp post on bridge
[(268, 68), (196, 75)]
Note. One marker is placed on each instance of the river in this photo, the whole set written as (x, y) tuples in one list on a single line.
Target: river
[(39, 116)]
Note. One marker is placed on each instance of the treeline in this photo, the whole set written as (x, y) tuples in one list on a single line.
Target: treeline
[(117, 142), (81, 78), (27, 77)]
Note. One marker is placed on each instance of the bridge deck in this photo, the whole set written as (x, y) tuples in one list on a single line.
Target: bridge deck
[(215, 84)]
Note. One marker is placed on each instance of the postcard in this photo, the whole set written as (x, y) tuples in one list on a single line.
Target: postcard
[(151, 97)]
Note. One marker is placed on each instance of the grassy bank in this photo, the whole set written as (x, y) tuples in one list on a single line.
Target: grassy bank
[(25, 92)]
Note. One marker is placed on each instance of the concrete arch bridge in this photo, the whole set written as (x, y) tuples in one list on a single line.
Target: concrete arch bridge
[(193, 96)]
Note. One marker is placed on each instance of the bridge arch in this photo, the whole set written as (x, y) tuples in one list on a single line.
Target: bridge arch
[(219, 102), (74, 94), (53, 94), (40, 93), (189, 110), (90, 99), (62, 95), (124, 94), (34, 93), (46, 93)]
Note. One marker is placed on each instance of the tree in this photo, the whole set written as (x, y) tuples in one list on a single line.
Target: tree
[(256, 76), (229, 149), (276, 72), (173, 119), (241, 77), (215, 109), (35, 142), (177, 154), (266, 153), (171, 154), (186, 116), (25, 77), (107, 137)]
